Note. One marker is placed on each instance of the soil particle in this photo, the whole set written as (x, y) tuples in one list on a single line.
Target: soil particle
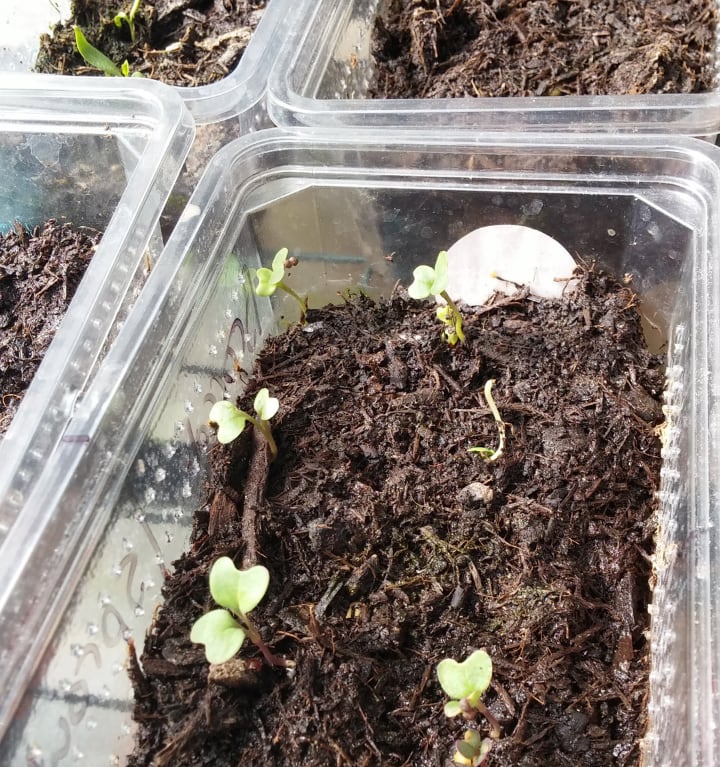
[(39, 273), (455, 48), (383, 561)]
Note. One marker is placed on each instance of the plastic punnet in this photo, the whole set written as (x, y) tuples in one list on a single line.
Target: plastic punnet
[(322, 78), (240, 95), (114, 508), (103, 155)]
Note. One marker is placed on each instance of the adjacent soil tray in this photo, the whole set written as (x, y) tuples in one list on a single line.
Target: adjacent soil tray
[(180, 42), (454, 48), (39, 272)]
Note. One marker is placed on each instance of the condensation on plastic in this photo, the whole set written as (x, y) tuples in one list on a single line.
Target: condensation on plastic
[(323, 74), (103, 155), (115, 506)]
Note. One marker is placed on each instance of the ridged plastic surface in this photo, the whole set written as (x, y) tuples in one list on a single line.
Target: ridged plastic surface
[(115, 507)]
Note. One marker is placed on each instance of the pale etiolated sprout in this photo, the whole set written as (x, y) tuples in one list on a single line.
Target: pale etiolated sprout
[(488, 453), (128, 18)]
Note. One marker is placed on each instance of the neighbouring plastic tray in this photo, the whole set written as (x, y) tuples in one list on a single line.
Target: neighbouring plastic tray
[(114, 507), (96, 154), (322, 78), (239, 95)]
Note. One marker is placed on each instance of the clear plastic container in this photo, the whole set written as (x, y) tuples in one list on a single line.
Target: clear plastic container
[(114, 507), (223, 110), (323, 74), (240, 94), (104, 155)]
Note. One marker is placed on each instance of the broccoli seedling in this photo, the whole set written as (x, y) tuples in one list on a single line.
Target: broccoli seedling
[(429, 281), (128, 18), (465, 684), (98, 60), (230, 421), (223, 631), (472, 749), (269, 280)]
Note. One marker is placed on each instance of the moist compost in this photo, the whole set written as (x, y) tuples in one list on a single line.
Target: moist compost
[(454, 48), (390, 546), (39, 273), (180, 42)]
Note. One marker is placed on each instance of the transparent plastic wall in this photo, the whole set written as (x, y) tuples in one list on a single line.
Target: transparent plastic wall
[(321, 78), (126, 483), (223, 111), (102, 155)]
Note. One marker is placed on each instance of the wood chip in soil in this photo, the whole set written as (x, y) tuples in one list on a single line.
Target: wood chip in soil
[(39, 273), (390, 546), (179, 42), (455, 48)]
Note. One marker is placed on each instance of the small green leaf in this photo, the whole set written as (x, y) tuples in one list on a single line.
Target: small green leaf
[(473, 738), (485, 452), (465, 749), (452, 708), (441, 273), (238, 590), (445, 314), (265, 405), (269, 279), (252, 587), (265, 285), (278, 265), (125, 68), (224, 582), (421, 287), (468, 679), (93, 56), (229, 419), (221, 634)]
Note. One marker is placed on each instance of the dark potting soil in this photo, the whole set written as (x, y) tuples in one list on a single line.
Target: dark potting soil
[(390, 546), (454, 48), (180, 42), (39, 273)]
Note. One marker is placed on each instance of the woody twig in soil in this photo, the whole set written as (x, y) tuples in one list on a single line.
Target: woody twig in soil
[(230, 422)]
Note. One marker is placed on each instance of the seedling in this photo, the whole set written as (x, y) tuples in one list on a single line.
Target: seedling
[(487, 453), (269, 280), (223, 631), (465, 684), (472, 749), (98, 60), (128, 18), (429, 281), (230, 421)]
